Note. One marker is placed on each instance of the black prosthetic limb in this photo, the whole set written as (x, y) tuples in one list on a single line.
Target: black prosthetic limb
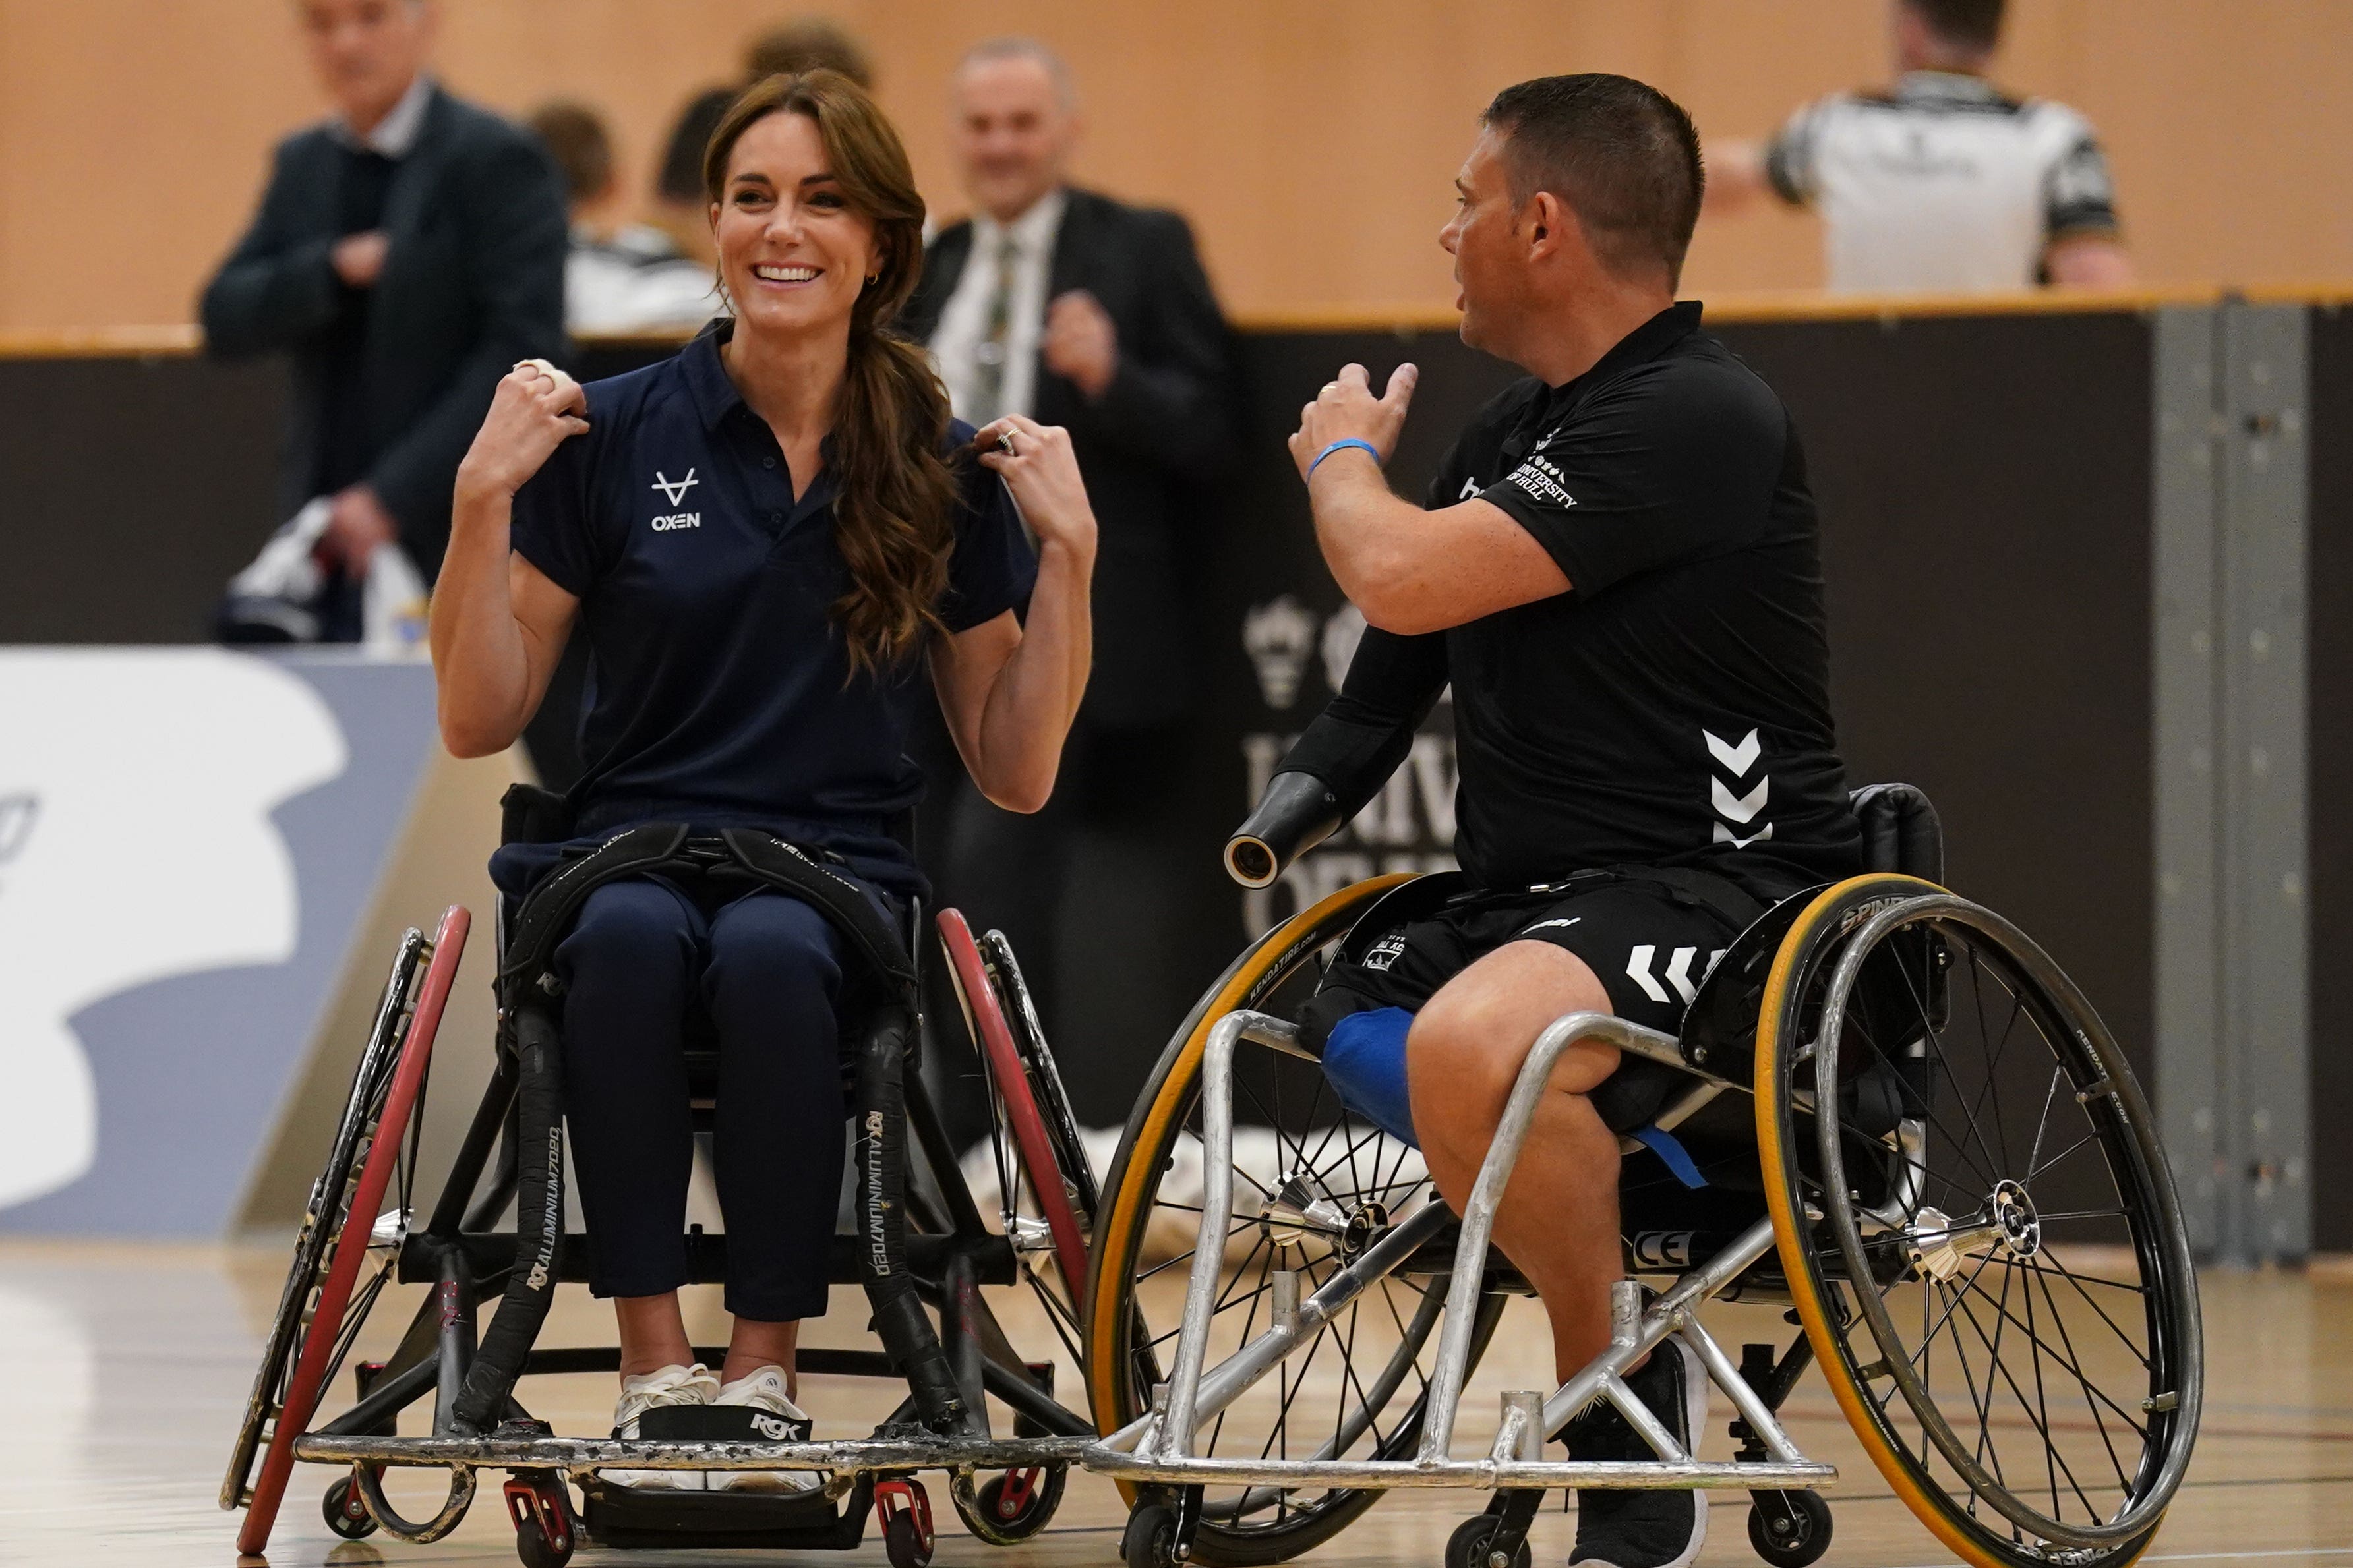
[(539, 1225), (907, 1335), (1297, 812)]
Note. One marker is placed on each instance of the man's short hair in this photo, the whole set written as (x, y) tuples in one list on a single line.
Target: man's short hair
[(575, 136), (808, 44), (1066, 90), (679, 178), (1623, 156), (1966, 24)]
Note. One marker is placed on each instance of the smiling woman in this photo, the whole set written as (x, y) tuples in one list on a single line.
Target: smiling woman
[(762, 538)]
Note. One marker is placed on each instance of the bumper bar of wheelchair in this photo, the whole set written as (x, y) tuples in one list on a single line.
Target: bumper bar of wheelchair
[(583, 1456), (1158, 1446)]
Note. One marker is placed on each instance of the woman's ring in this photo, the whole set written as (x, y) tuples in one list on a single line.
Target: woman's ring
[(1005, 444)]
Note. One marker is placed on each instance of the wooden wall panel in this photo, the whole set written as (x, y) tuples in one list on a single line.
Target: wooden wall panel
[(1311, 145)]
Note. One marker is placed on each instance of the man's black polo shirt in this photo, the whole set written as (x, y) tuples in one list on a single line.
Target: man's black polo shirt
[(1674, 707), (719, 686)]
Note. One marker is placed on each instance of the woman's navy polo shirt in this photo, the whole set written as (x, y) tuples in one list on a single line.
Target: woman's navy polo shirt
[(720, 687)]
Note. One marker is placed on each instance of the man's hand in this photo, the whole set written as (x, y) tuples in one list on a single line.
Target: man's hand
[(356, 525), (359, 257), (1347, 409), (1080, 343), (535, 409)]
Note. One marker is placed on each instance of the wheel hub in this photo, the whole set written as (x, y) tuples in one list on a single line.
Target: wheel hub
[(2021, 1226), (1298, 1208), (1365, 1227)]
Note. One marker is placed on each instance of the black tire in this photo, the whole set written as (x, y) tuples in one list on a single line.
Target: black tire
[(1467, 1547), (537, 1552), (985, 1516), (324, 1214), (1377, 1409), (903, 1541), (346, 1514), (1982, 1123), (1150, 1539), (1789, 1529)]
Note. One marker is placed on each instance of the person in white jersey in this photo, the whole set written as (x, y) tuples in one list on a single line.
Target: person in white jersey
[(1939, 183)]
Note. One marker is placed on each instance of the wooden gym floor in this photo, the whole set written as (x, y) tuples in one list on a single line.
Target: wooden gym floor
[(122, 1368)]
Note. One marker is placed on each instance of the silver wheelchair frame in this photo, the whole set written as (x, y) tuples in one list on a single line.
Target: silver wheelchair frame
[(1158, 1446)]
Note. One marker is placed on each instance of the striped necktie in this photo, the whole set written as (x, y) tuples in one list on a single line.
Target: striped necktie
[(990, 355)]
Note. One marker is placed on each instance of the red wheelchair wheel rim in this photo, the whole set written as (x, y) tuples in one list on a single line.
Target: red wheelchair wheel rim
[(303, 1389), (1029, 1137)]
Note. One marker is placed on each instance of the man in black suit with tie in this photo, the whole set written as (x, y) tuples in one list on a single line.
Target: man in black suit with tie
[(1084, 313), (407, 254)]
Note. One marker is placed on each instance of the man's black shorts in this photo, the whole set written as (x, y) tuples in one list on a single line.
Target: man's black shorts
[(1649, 942)]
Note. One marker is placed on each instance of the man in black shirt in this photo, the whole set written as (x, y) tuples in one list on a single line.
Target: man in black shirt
[(1616, 569)]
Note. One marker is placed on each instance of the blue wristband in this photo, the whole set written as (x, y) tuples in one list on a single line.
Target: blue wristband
[(1339, 444)]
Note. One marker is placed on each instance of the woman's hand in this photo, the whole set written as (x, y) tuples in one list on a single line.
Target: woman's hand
[(1040, 469), (535, 409)]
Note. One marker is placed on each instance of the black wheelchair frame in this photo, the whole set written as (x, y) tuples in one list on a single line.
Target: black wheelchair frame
[(923, 1242)]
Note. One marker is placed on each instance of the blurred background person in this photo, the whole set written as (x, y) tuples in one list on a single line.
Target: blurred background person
[(1940, 181), (408, 252), (619, 275), (679, 209), (808, 44), (1080, 310)]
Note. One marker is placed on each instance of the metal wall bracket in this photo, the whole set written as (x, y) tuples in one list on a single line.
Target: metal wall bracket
[(2229, 487)]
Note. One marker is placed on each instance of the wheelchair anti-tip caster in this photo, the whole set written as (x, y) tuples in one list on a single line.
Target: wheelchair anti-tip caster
[(1150, 1539), (1468, 1547), (541, 1507), (1012, 1507), (1788, 1529), (905, 1510), (345, 1513)]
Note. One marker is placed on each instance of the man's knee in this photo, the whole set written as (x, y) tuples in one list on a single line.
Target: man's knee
[(1471, 1038), (633, 929)]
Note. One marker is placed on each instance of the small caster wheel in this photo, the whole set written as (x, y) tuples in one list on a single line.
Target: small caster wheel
[(904, 1543), (1788, 1529), (905, 1509), (544, 1531), (1150, 1540), (1468, 1546), (347, 1516), (1012, 1507)]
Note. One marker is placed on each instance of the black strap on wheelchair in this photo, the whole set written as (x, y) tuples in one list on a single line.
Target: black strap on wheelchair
[(539, 1223), (880, 1104), (552, 905)]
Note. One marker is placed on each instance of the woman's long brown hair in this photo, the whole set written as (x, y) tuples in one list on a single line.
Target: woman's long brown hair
[(893, 519)]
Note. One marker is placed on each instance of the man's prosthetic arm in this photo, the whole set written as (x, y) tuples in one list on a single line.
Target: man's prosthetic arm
[(1345, 757)]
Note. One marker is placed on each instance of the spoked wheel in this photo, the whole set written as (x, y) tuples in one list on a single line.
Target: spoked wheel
[(1312, 1190), (325, 1300), (1042, 1170), (1978, 1224)]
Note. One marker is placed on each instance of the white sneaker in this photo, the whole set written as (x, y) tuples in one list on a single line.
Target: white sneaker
[(763, 1392), (672, 1385)]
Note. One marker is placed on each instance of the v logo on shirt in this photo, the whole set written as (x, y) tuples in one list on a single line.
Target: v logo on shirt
[(676, 492)]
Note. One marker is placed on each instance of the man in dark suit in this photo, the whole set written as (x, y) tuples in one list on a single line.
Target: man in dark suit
[(1081, 312), (408, 252)]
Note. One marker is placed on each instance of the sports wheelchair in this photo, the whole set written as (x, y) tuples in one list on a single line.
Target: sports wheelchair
[(1886, 1111), (920, 1241)]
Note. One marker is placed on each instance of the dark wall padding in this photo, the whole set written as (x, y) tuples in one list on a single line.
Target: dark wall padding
[(2329, 588), (1984, 486)]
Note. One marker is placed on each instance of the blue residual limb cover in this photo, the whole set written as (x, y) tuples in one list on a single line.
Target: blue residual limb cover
[(1364, 1058)]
